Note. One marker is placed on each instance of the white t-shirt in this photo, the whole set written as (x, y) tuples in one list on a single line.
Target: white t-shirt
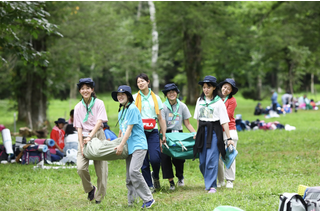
[(219, 112)]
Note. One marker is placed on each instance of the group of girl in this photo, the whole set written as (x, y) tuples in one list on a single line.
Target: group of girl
[(138, 118)]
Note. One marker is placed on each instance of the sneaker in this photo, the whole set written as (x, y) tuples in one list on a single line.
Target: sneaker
[(98, 201), (229, 184), (152, 190), (181, 182), (148, 204), (221, 184), (212, 190), (156, 182), (92, 193), (172, 187)]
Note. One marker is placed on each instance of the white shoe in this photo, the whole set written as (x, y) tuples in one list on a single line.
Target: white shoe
[(220, 184), (229, 184)]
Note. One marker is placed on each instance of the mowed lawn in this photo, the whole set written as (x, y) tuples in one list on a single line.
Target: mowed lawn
[(269, 163)]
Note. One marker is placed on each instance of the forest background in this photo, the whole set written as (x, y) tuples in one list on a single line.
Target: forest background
[(45, 47)]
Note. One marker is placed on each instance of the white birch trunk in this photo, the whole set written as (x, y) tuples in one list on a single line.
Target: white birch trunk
[(312, 83), (155, 48)]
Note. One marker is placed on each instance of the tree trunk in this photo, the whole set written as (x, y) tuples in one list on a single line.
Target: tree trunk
[(192, 56), (259, 87), (155, 48), (312, 83)]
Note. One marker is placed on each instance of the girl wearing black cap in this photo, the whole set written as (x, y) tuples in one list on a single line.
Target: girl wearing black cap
[(131, 129), (175, 113), (150, 106), (89, 114), (210, 113), (228, 90), (57, 134)]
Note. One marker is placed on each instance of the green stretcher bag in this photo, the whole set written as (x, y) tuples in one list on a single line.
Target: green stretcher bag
[(179, 145), (104, 150)]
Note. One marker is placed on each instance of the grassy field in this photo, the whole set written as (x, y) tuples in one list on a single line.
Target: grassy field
[(269, 163)]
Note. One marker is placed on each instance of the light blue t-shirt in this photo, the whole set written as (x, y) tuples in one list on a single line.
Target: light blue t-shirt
[(147, 109), (137, 139)]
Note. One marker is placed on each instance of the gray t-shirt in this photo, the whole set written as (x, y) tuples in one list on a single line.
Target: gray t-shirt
[(183, 111)]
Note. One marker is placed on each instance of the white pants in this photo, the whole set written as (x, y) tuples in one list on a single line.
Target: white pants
[(228, 174)]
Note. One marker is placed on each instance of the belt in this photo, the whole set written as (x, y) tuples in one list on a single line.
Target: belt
[(172, 130)]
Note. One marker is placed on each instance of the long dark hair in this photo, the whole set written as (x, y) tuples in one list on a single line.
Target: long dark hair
[(215, 92), (143, 76), (93, 94)]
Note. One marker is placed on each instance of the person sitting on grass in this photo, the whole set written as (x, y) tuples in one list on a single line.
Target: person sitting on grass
[(57, 134), (131, 129)]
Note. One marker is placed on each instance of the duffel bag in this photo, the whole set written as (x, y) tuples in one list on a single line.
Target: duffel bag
[(179, 145)]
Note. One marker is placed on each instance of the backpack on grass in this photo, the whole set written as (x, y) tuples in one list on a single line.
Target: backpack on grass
[(312, 198), (292, 202), (33, 155)]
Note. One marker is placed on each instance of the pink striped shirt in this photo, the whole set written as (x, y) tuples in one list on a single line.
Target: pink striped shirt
[(80, 111)]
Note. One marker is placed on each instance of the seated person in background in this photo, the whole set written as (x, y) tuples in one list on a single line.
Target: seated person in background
[(57, 134), (259, 110), (302, 103), (109, 134), (313, 104)]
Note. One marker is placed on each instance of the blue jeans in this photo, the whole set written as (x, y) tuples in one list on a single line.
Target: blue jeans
[(209, 161), (58, 156), (153, 156)]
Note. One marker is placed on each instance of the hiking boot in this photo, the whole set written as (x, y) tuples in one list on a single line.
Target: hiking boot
[(181, 182), (92, 193), (148, 204), (152, 190), (229, 184), (98, 201), (221, 184), (212, 190), (156, 182)]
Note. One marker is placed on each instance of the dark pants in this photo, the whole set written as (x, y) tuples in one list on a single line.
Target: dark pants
[(153, 157), (274, 107), (58, 156), (166, 166)]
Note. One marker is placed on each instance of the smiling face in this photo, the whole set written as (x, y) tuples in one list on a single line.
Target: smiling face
[(122, 98), (86, 91), (208, 90), (60, 125), (172, 95), (226, 89), (142, 83)]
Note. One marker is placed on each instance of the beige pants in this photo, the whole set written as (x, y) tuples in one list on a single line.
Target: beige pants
[(101, 168), (224, 173)]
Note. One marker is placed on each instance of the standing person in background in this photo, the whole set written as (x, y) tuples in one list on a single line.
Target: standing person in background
[(228, 90), (57, 134), (89, 114), (274, 101), (132, 133), (150, 106), (210, 113), (175, 113)]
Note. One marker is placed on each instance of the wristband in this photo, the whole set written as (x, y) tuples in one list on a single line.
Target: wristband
[(229, 139)]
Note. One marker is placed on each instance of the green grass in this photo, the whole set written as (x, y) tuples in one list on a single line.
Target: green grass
[(269, 163)]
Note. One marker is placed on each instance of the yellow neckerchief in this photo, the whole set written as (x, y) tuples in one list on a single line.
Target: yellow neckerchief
[(138, 101)]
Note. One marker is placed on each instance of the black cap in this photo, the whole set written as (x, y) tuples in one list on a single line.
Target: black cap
[(123, 88)]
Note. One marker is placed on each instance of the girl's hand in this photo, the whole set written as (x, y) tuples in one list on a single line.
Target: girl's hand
[(230, 142), (119, 149), (86, 140), (194, 137)]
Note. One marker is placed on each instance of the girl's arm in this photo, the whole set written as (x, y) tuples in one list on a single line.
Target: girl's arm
[(119, 148), (163, 127), (80, 139), (188, 125), (226, 130), (194, 137)]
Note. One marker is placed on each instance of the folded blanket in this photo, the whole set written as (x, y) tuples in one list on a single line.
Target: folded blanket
[(104, 150)]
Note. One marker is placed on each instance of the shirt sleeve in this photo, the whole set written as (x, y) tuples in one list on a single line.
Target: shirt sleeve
[(231, 106), (163, 113), (76, 119), (132, 116), (196, 111), (185, 112), (54, 135), (223, 114)]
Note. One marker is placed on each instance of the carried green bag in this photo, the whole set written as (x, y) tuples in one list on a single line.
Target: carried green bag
[(179, 145), (104, 150)]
